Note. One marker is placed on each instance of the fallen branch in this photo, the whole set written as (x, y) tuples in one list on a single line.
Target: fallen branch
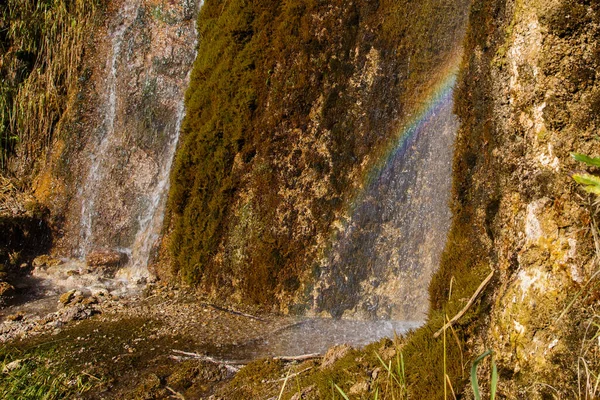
[(231, 366), (302, 357), (466, 308), (176, 394), (241, 314)]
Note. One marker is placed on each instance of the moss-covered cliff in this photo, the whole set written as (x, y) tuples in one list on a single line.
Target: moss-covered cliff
[(527, 97), (290, 104)]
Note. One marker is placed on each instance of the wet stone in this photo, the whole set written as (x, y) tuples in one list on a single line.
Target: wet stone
[(106, 259), (46, 261), (65, 298), (16, 317)]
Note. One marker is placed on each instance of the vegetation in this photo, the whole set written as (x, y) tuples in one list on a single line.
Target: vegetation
[(265, 71), (590, 183), (41, 47), (34, 375)]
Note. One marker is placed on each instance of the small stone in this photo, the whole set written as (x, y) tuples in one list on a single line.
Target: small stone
[(359, 388), (6, 289), (77, 298), (375, 373), (45, 261), (65, 298), (335, 353), (88, 301), (11, 366), (16, 317)]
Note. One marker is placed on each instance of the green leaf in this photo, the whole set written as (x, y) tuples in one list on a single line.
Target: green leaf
[(494, 380), (592, 189), (587, 179), (592, 161), (474, 381)]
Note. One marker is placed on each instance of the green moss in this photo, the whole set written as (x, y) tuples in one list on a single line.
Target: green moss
[(262, 70)]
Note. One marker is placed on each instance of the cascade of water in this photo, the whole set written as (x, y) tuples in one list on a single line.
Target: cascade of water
[(122, 197), (150, 222), (88, 191), (382, 260)]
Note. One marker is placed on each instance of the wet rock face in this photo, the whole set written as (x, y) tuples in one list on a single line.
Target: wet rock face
[(383, 258), (287, 114), (528, 218), (129, 124)]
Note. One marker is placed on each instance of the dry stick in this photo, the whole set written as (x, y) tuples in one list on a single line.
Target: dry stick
[(216, 307), (176, 394), (469, 304), (227, 364), (302, 357)]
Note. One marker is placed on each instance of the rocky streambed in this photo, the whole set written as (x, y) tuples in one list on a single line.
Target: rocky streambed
[(166, 341)]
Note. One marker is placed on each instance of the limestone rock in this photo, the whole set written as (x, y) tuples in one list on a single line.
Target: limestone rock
[(359, 388), (334, 354), (66, 298), (76, 313), (11, 366), (45, 261), (16, 317)]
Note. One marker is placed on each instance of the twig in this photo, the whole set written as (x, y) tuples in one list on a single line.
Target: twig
[(466, 308), (231, 366), (216, 307), (176, 394), (302, 357)]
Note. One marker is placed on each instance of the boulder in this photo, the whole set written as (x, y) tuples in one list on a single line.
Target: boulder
[(107, 260)]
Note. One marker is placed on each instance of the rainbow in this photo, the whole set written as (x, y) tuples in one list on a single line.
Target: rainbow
[(435, 99)]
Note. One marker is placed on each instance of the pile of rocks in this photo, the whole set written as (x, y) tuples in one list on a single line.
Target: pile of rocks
[(72, 306)]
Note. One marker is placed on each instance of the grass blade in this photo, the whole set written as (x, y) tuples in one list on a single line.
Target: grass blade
[(592, 161), (587, 179), (474, 381), (284, 383), (494, 385), (341, 392)]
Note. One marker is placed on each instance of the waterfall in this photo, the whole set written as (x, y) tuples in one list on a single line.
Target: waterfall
[(99, 157), (383, 257), (128, 158)]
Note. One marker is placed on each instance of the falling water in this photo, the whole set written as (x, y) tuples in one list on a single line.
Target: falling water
[(383, 258), (88, 192), (121, 199), (151, 221)]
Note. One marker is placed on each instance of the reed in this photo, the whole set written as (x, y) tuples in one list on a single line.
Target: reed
[(42, 46)]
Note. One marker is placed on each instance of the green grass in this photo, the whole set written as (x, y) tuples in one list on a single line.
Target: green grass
[(40, 375)]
